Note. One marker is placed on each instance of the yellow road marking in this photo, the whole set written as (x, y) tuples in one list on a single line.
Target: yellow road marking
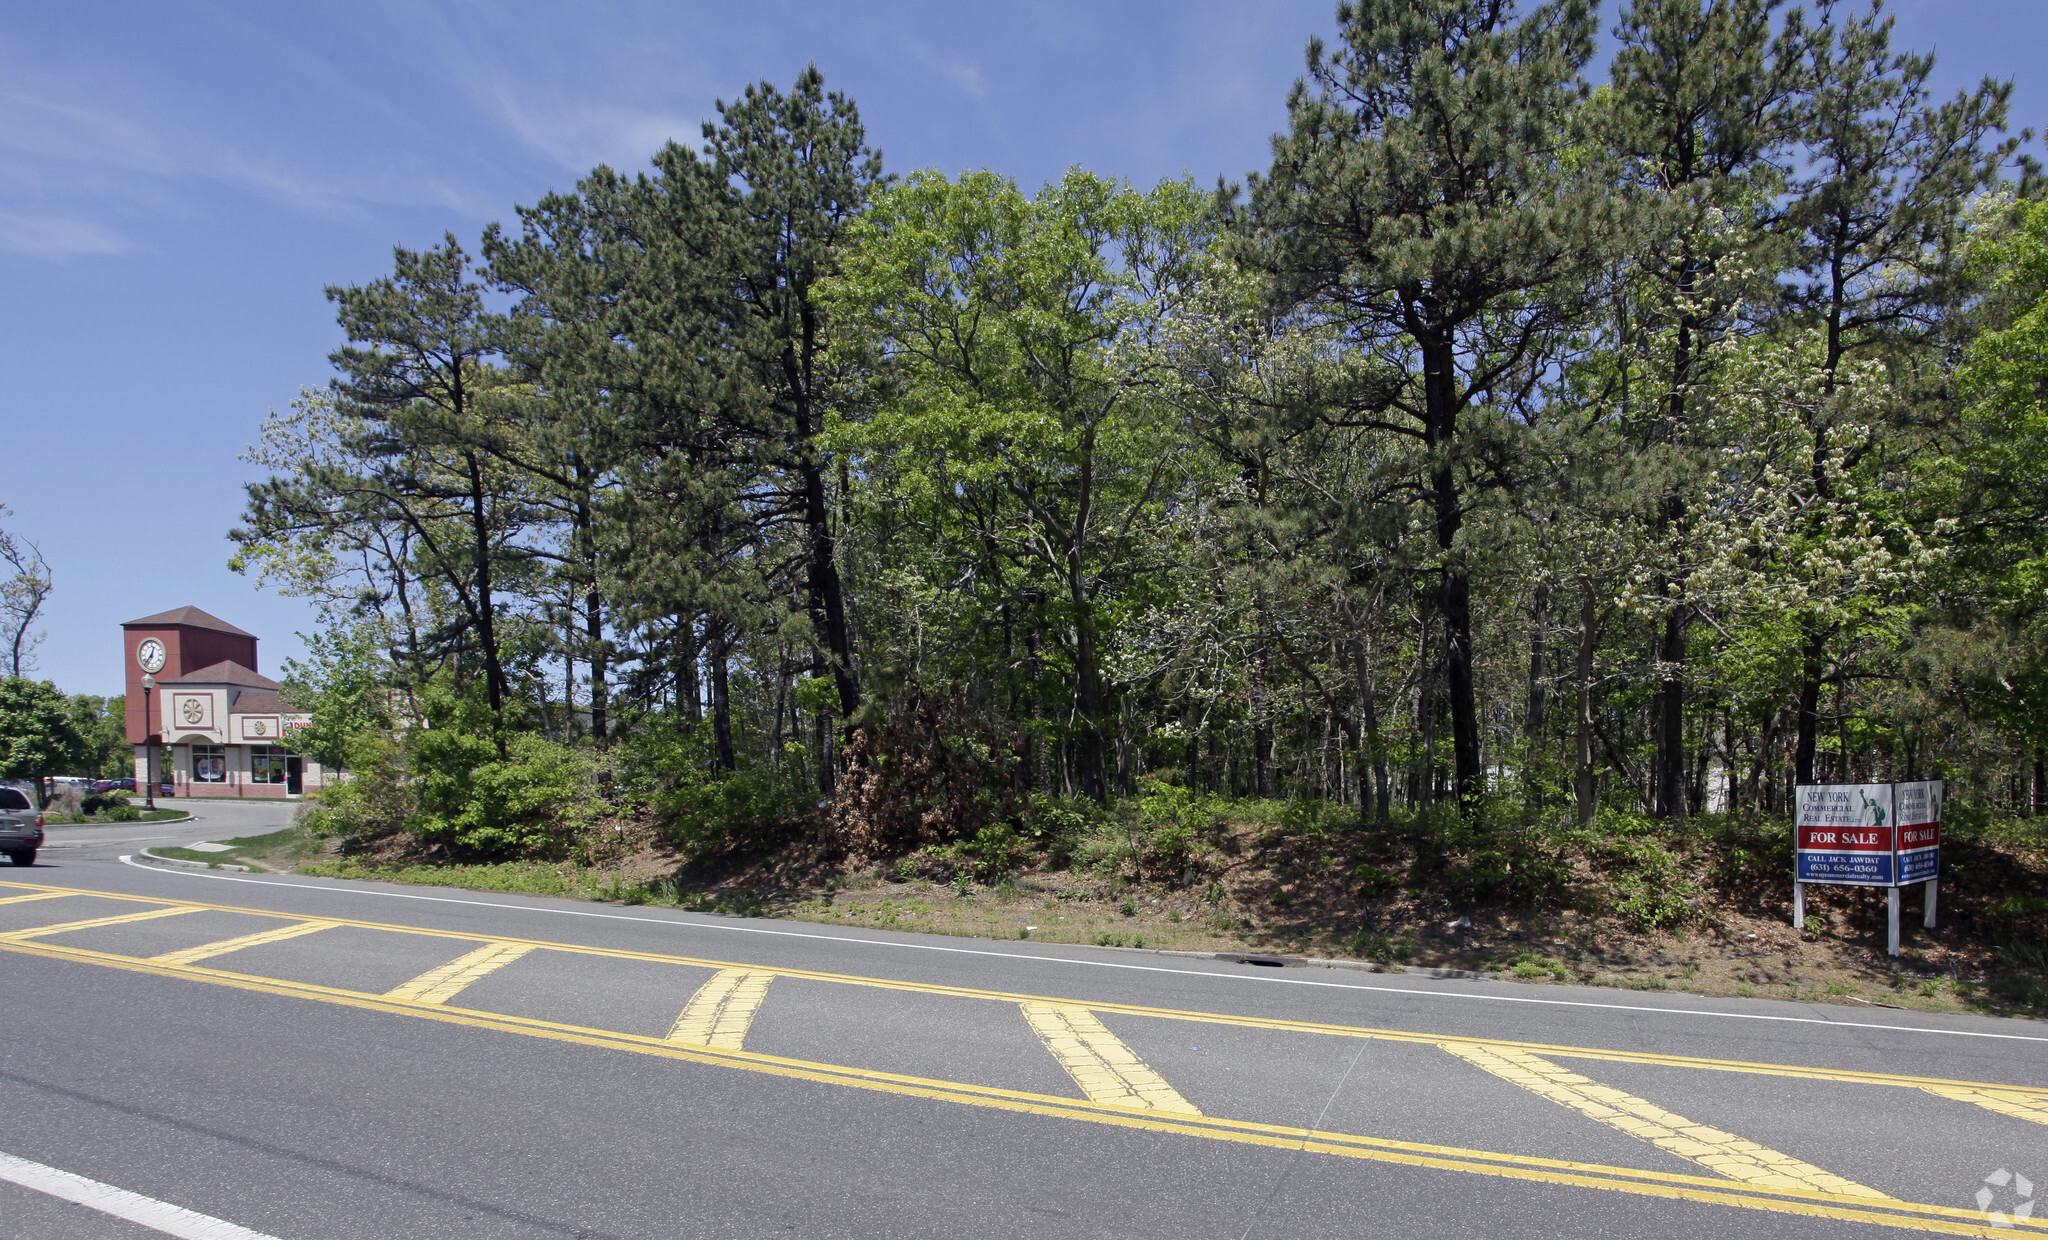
[(439, 985), (1106, 1070), (1732, 1156), (207, 951), (66, 927), (1849, 1076), (722, 1010), (34, 896), (1916, 1216), (2004, 1101)]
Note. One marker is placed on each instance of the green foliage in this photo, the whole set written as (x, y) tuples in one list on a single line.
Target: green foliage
[(530, 801), (708, 810), (755, 807), (1373, 881), (39, 734), (446, 782), (345, 684), (103, 724), (1510, 457)]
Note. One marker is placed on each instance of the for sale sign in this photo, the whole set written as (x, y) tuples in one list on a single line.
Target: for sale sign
[(1846, 834), (1917, 808)]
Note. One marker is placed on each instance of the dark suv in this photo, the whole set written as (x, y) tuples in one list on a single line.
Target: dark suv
[(21, 826)]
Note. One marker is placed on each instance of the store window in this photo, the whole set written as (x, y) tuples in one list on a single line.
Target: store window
[(209, 764), (266, 765)]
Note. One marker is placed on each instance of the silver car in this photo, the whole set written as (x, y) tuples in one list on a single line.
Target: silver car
[(21, 826)]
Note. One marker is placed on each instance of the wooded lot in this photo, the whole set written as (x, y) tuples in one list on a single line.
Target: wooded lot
[(1525, 437)]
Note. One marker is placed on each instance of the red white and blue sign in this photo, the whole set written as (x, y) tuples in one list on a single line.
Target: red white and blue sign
[(1917, 808), (1845, 834), (1868, 835)]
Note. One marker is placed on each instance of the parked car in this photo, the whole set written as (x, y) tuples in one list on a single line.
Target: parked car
[(114, 785), (21, 826)]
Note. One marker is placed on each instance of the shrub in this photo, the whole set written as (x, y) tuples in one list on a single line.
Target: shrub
[(1168, 849), (1373, 881), (714, 812), (995, 850), (101, 802), (1060, 825), (530, 801), (377, 798), (933, 775)]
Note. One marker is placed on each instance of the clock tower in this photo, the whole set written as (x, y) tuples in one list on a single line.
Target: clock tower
[(175, 643)]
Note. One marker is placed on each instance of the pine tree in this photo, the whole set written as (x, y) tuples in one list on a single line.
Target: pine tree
[(1887, 172), (1698, 114), (1424, 195)]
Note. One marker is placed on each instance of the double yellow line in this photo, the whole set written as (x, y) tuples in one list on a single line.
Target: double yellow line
[(1132, 1114)]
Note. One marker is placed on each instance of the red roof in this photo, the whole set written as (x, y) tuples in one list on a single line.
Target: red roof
[(226, 672), (191, 618)]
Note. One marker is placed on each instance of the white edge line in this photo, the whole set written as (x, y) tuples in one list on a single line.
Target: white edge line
[(1099, 964), (134, 1207)]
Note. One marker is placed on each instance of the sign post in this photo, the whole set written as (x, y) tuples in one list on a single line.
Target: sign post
[(1868, 835)]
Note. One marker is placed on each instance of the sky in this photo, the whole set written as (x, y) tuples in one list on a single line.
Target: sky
[(180, 181)]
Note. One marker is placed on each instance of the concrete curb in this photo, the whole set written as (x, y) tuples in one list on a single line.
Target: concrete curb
[(143, 822), (1313, 962), (146, 857)]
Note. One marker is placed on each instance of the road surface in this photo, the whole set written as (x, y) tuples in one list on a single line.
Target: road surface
[(313, 1060)]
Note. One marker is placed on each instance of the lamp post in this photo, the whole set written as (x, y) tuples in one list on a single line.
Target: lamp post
[(148, 744)]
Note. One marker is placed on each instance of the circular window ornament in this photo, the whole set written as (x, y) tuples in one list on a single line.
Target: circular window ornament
[(194, 710), (259, 728)]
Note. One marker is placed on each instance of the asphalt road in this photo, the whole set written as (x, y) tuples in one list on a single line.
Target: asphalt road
[(313, 1060)]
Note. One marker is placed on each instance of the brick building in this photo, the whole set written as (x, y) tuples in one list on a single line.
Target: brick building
[(218, 724)]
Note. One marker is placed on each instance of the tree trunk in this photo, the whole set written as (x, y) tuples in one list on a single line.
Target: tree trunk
[(2040, 783), (593, 606), (1539, 650), (1587, 795), (1374, 755), (1671, 716), (1425, 721), (1464, 694), (821, 564), (1440, 399), (691, 688), (1808, 721), (716, 637), (1088, 692), (486, 602)]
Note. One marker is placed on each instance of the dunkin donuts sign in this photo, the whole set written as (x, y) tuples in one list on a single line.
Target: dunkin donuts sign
[(1869, 835)]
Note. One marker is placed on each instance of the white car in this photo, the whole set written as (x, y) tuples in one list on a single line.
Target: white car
[(21, 826)]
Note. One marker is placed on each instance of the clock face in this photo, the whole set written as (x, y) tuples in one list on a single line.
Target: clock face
[(150, 654)]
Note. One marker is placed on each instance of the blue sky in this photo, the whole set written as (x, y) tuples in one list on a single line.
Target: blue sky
[(179, 181)]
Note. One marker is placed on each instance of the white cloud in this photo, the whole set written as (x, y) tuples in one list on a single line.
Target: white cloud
[(575, 134), (50, 236), (963, 75)]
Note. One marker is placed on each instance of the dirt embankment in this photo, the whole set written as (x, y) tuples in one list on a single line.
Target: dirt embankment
[(1705, 911)]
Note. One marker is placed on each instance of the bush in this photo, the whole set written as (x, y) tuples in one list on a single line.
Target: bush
[(377, 799), (530, 801), (995, 850), (934, 775), (1059, 825), (670, 766), (746, 809)]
